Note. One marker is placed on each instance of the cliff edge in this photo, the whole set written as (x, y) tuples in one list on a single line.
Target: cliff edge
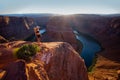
[(55, 61)]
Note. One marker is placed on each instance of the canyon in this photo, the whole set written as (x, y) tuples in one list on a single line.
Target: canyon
[(105, 29)]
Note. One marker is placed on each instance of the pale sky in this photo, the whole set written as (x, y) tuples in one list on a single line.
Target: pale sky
[(60, 6)]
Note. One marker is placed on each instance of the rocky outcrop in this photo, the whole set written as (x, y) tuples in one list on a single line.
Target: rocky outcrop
[(62, 62), (15, 71), (15, 28), (55, 61), (58, 29), (36, 71)]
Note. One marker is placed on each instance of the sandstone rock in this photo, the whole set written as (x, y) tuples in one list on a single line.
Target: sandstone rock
[(55, 61), (36, 71), (15, 71), (15, 28), (58, 29), (62, 62)]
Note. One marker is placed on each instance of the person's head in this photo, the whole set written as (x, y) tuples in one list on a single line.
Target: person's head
[(38, 27)]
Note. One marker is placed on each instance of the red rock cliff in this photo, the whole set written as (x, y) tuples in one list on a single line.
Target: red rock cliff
[(62, 62), (58, 29), (55, 61)]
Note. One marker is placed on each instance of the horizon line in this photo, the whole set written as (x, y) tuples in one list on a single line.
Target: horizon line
[(60, 13)]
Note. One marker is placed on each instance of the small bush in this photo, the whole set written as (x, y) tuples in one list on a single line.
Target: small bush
[(27, 51)]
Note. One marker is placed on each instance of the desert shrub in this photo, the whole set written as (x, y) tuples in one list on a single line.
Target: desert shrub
[(27, 51)]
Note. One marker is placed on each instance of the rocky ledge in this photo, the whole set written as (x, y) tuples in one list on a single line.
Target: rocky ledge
[(55, 61)]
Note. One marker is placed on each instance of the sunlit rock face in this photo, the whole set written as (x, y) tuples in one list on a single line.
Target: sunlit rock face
[(59, 29), (62, 62), (55, 61), (15, 27)]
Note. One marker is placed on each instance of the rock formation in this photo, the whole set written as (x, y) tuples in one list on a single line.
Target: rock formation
[(62, 62), (105, 29), (20, 27), (58, 29), (15, 71), (15, 27), (55, 61)]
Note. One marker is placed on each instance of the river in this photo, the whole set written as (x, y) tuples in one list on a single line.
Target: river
[(90, 48), (42, 31)]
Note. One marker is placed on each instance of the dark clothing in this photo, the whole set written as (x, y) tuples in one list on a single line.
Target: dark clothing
[(38, 36)]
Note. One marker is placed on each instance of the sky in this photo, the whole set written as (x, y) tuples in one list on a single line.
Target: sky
[(60, 6)]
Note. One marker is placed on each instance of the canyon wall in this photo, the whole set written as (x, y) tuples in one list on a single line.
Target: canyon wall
[(58, 29), (105, 29), (20, 28), (15, 27)]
